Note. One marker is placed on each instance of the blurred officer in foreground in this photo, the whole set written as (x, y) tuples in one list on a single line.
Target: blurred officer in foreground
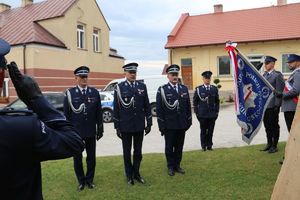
[(271, 116), (174, 117), (29, 137), (206, 104), (131, 110), (82, 107), (291, 90)]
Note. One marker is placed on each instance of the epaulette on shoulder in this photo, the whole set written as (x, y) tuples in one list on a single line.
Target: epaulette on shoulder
[(16, 112)]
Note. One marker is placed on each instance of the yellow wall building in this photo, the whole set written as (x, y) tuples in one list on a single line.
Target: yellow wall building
[(51, 38), (197, 43)]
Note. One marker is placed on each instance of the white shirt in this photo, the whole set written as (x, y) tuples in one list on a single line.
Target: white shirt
[(80, 88)]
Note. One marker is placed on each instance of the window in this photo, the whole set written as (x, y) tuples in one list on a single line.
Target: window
[(96, 40), (223, 65), (284, 65), (186, 62), (255, 61), (80, 36)]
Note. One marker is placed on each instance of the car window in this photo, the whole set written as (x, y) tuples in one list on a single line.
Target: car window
[(110, 87), (56, 100), (102, 97), (18, 104)]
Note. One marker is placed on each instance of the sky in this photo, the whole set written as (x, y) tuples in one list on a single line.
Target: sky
[(139, 28)]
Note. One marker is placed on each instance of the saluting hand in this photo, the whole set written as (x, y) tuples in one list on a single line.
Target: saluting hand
[(26, 87), (147, 130)]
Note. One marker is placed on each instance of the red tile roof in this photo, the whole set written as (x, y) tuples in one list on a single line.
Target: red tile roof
[(20, 25), (252, 25)]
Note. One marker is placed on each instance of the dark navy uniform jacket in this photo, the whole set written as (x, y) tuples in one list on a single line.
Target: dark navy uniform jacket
[(206, 102), (179, 117), (26, 139), (88, 119), (133, 117)]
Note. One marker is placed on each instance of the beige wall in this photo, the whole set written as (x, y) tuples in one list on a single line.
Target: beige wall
[(205, 58), (64, 28)]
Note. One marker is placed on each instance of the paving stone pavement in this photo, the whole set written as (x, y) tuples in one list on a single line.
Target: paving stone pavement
[(226, 134)]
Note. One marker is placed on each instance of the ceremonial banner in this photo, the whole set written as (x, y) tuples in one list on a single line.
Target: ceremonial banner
[(252, 94)]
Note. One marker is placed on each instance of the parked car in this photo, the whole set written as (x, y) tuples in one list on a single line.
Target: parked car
[(57, 100), (107, 103), (152, 83)]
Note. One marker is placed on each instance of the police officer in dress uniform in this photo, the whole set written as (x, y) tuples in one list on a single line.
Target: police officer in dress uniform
[(174, 117), (131, 110), (82, 106), (206, 107), (291, 90), (30, 137), (271, 116)]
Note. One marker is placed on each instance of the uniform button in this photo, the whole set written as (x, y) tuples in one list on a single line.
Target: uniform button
[(134, 113)]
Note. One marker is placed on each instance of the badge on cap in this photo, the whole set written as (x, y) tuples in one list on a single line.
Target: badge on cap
[(206, 74), (173, 69), (130, 67)]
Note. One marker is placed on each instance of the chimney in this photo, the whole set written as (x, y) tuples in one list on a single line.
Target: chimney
[(218, 8), (4, 7), (26, 2), (281, 2)]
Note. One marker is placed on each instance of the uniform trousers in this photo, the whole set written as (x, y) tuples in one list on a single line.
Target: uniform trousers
[(174, 141), (132, 168), (289, 117), (207, 126), (90, 147), (271, 123)]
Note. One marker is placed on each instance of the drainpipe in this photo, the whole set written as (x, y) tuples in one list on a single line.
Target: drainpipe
[(171, 57), (24, 58)]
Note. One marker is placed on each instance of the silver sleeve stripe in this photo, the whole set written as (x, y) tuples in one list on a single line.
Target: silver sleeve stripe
[(190, 117), (116, 119), (149, 116), (58, 119), (160, 119)]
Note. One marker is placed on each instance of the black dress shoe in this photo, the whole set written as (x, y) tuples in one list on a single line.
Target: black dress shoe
[(80, 187), (90, 185), (266, 148), (204, 149), (180, 170), (171, 172), (139, 179), (209, 148), (130, 181), (273, 150)]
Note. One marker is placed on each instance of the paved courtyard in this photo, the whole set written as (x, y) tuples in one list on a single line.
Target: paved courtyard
[(226, 134)]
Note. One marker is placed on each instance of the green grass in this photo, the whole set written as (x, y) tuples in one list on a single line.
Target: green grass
[(233, 173)]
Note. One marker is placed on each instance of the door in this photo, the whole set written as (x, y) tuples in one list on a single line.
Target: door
[(187, 76)]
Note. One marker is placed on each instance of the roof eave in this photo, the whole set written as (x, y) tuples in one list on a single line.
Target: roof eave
[(210, 44), (40, 43), (119, 57)]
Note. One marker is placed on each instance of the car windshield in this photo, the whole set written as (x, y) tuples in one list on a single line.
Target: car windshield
[(56, 99)]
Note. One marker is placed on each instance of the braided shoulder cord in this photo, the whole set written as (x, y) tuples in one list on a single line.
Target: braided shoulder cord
[(124, 104), (81, 107), (169, 106)]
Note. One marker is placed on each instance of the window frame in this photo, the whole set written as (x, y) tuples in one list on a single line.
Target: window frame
[(230, 67), (96, 36), (81, 36), (261, 59)]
